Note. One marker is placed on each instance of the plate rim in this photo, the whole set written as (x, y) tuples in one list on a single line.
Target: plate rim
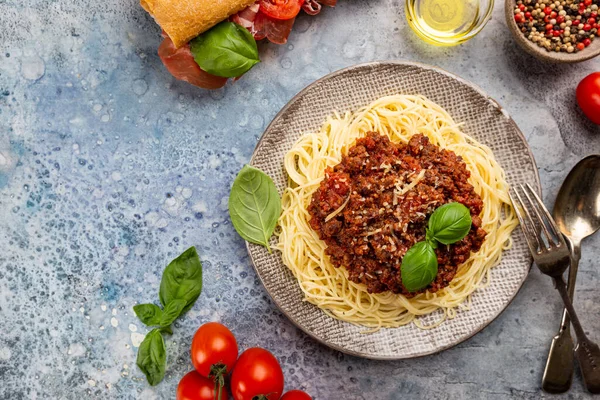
[(537, 186)]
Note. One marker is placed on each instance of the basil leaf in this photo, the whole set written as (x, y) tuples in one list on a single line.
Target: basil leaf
[(254, 206), (450, 223), (172, 310), (182, 280), (419, 267), (149, 314), (228, 50), (152, 357)]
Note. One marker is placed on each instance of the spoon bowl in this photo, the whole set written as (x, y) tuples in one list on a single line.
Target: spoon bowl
[(577, 207)]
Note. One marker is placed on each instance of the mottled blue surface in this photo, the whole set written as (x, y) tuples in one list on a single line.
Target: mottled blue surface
[(109, 168)]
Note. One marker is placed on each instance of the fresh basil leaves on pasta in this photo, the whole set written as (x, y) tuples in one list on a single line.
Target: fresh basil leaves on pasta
[(254, 206), (152, 357), (419, 267), (228, 50), (180, 286), (450, 223)]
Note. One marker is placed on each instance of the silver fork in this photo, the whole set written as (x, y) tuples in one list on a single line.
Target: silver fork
[(552, 256)]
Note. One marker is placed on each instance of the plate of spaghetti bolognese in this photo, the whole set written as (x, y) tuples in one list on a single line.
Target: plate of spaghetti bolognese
[(397, 236)]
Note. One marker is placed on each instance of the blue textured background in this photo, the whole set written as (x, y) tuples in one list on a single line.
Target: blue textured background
[(109, 168)]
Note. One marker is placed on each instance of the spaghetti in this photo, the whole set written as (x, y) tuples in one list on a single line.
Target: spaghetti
[(398, 117)]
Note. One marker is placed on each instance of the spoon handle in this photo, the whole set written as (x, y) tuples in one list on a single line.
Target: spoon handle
[(558, 373), (588, 353)]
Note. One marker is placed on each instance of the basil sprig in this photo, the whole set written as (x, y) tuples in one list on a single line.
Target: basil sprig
[(180, 287), (448, 224), (228, 50), (254, 206)]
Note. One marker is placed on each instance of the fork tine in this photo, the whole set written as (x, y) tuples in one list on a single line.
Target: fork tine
[(518, 204), (551, 222), (541, 221)]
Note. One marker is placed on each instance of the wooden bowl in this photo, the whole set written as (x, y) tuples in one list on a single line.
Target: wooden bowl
[(549, 56)]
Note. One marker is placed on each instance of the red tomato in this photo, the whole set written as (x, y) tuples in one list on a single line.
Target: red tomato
[(214, 350), (257, 375), (588, 96), (296, 395), (194, 386), (281, 9)]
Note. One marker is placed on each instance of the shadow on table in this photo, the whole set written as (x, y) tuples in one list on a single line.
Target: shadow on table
[(555, 85)]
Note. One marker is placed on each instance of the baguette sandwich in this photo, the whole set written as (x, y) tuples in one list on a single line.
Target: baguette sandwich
[(206, 42)]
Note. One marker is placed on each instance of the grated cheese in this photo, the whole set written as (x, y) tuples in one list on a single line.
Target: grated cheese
[(339, 210)]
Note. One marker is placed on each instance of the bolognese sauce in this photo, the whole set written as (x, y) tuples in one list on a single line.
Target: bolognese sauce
[(374, 205)]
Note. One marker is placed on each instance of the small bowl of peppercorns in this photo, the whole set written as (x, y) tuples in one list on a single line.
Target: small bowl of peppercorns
[(561, 31)]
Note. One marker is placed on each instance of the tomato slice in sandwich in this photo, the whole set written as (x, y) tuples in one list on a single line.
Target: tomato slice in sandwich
[(281, 9)]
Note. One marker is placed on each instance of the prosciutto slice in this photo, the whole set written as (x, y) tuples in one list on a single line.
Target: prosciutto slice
[(277, 31), (247, 16), (181, 64), (311, 7)]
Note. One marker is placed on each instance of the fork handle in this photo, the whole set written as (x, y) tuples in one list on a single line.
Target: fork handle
[(588, 353), (558, 373)]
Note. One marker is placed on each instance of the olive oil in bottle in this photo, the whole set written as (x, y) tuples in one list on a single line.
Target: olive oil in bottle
[(443, 22)]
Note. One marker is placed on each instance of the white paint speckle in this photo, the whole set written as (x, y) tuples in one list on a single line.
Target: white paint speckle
[(214, 161), (103, 307), (5, 353), (97, 107), (91, 382), (148, 394), (114, 311), (199, 207), (33, 68), (114, 322), (137, 339), (162, 223), (76, 350), (186, 193), (132, 328)]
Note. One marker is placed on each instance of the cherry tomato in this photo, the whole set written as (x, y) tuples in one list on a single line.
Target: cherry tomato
[(214, 351), (296, 395), (281, 9), (194, 386), (588, 96), (257, 376)]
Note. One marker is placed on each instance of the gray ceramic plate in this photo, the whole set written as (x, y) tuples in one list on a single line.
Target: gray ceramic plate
[(349, 89)]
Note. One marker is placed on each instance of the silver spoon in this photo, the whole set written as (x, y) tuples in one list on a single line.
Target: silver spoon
[(577, 214)]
